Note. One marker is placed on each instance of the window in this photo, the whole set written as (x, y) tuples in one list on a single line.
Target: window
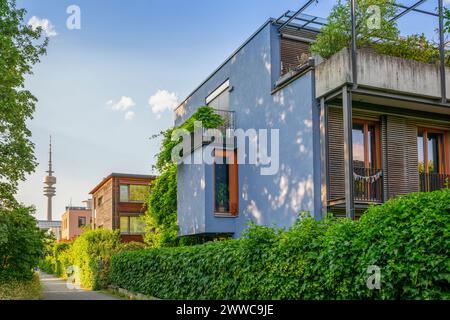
[(81, 222), (131, 225), (365, 145), (432, 154), (124, 225), (225, 182), (134, 193), (368, 181), (123, 193), (220, 98), (100, 201), (430, 151)]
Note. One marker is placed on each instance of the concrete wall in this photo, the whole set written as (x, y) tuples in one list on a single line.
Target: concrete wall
[(381, 72), (267, 200)]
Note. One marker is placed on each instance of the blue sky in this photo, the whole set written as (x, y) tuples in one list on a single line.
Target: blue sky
[(95, 83)]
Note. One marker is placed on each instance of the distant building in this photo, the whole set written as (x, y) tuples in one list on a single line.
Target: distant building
[(51, 227), (119, 201), (74, 221)]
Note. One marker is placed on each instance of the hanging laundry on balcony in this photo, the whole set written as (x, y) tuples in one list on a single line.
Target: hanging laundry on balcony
[(370, 179)]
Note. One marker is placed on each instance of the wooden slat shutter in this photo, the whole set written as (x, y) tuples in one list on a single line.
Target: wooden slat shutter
[(401, 156), (291, 53), (336, 154)]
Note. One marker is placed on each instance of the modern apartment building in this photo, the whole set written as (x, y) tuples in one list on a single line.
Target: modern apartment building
[(347, 133), (74, 221), (119, 201)]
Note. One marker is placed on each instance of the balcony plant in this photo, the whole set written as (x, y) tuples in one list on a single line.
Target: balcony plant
[(383, 39), (222, 197)]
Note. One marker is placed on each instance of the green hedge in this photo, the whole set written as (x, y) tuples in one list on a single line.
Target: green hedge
[(408, 238), (89, 253)]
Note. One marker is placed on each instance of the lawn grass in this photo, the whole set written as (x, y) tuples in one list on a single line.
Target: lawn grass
[(21, 289)]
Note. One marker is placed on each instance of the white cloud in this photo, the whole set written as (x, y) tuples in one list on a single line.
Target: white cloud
[(129, 115), (45, 24), (123, 104), (163, 100)]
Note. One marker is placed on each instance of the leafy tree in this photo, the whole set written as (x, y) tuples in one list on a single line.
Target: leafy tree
[(337, 33), (21, 243), (20, 48)]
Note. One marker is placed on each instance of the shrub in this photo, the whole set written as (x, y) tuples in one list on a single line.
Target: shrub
[(21, 289), (408, 238), (91, 252), (21, 243)]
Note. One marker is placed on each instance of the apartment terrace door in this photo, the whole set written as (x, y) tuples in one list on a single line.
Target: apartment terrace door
[(433, 159), (367, 161)]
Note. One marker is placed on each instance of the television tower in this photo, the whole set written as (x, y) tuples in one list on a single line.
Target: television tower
[(49, 181)]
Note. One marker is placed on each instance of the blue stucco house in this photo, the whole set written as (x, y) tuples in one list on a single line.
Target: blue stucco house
[(325, 141)]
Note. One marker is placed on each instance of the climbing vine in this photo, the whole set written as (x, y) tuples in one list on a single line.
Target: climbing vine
[(161, 215)]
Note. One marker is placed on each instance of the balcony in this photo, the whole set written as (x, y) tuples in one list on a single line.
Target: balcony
[(368, 185), (381, 72), (433, 181), (202, 137), (228, 118)]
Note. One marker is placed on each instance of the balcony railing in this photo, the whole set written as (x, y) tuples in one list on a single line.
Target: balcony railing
[(368, 185), (433, 181), (228, 118)]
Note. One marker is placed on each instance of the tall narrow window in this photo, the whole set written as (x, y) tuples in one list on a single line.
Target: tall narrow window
[(432, 163), (124, 225), (124, 193), (225, 182), (365, 145), (366, 161)]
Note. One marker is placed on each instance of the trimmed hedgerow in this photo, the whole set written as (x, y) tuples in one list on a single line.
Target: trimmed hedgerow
[(408, 238), (89, 254)]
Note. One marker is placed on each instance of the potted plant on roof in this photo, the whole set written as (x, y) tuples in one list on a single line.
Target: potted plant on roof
[(222, 197)]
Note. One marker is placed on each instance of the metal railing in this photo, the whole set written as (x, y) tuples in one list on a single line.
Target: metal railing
[(433, 181), (368, 184), (228, 118)]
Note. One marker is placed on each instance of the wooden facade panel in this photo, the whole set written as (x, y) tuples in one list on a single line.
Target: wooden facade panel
[(129, 207), (103, 205), (336, 154), (401, 156), (291, 54)]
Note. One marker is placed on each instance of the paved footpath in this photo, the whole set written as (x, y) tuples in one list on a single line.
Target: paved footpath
[(54, 288)]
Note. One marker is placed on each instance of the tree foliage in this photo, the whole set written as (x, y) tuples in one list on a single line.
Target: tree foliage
[(384, 39), (21, 243), (20, 48), (337, 34)]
